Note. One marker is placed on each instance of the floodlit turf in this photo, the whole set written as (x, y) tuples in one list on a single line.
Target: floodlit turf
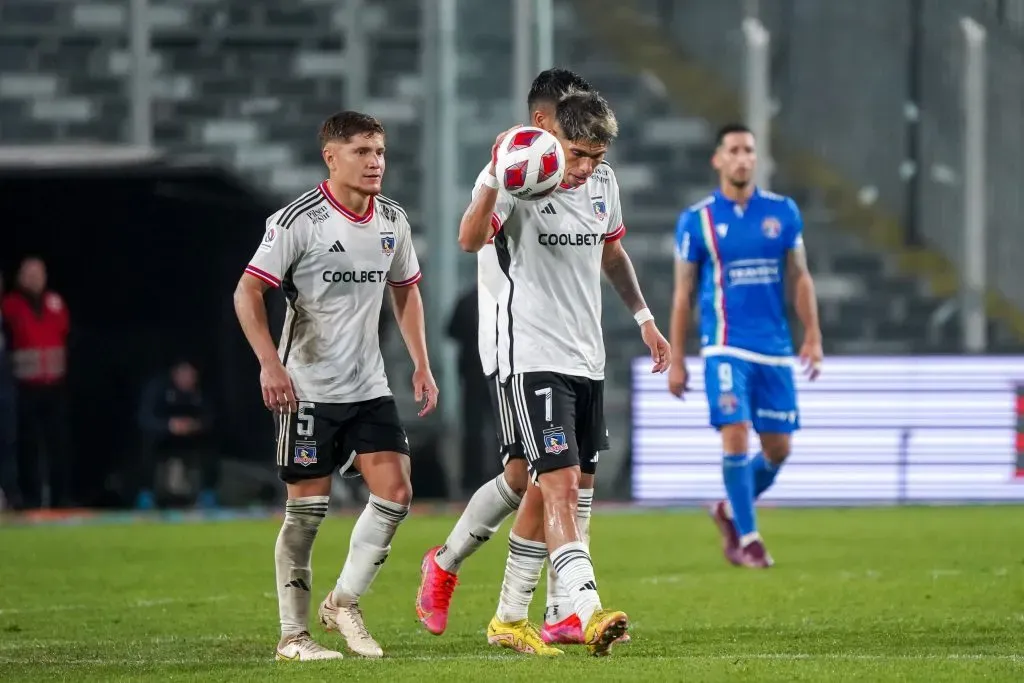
[(873, 595)]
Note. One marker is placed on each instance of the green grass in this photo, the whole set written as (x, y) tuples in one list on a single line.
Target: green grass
[(918, 594)]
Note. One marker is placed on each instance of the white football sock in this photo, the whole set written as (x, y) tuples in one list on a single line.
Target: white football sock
[(559, 605), (576, 572), (584, 503), (368, 548), (487, 509), (522, 574), (292, 553)]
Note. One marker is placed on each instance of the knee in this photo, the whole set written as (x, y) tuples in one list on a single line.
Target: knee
[(775, 448), (561, 487), (516, 476), (735, 438), (399, 493), (777, 455)]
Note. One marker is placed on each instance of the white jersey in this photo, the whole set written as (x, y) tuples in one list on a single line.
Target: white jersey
[(549, 313), (490, 282), (332, 266)]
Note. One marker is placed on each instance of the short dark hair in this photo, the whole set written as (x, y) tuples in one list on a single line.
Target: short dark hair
[(345, 124), (551, 85), (729, 129), (587, 117)]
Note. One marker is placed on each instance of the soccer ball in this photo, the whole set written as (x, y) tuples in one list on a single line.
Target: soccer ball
[(530, 163)]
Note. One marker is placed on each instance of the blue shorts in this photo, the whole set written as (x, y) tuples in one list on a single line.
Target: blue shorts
[(742, 391)]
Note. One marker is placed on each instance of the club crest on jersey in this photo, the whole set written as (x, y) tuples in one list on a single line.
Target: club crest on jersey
[(600, 210), (554, 441), (771, 227), (387, 244), (722, 229), (728, 403), (305, 455)]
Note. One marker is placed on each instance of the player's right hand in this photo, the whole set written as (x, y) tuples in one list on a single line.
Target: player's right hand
[(497, 144), (678, 378), (278, 390)]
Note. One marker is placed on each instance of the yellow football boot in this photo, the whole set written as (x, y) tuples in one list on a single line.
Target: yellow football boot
[(604, 628), (521, 636)]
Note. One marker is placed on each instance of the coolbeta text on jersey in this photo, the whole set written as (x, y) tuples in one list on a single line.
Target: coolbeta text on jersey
[(372, 276), (333, 266)]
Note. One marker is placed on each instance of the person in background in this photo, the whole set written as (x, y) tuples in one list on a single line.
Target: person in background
[(478, 440), (176, 420), (8, 421), (38, 322)]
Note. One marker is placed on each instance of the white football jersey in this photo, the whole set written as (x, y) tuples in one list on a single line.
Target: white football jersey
[(332, 266), (549, 313), (490, 282)]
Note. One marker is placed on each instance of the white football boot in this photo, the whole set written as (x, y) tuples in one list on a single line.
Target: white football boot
[(302, 648), (347, 620)]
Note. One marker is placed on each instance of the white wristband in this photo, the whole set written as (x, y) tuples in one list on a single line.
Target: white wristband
[(642, 316), (490, 181)]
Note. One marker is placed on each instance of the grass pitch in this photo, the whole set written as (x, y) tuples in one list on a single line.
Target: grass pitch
[(914, 594)]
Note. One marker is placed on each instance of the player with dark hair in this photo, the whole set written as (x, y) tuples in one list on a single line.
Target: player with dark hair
[(332, 252), (551, 358), (496, 500), (548, 88), (741, 245)]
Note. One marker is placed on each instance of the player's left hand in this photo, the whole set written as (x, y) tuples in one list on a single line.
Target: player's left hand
[(661, 352), (425, 390), (811, 356)]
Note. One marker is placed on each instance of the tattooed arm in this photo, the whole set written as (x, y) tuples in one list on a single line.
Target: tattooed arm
[(619, 270)]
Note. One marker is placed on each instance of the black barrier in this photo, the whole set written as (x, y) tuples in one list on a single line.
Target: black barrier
[(146, 257)]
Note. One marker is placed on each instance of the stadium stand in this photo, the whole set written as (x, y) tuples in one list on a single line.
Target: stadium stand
[(249, 80)]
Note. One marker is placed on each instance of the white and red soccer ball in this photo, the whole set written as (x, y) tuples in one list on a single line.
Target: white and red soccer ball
[(530, 163)]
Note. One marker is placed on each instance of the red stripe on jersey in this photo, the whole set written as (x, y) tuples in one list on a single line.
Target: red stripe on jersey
[(616, 234), (325, 190), (405, 283), (263, 275), (720, 276), (495, 224)]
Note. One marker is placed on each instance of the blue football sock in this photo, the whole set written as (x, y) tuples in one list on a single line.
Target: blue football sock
[(764, 473), (739, 485)]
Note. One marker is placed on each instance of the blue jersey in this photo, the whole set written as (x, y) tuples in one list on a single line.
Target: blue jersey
[(741, 254)]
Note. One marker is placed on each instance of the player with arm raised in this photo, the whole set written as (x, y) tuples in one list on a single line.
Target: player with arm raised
[(332, 252), (740, 245), (551, 359), (496, 500)]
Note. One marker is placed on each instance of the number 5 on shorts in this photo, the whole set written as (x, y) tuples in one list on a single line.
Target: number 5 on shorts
[(305, 424)]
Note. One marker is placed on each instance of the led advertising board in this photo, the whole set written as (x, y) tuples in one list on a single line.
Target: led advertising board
[(874, 430)]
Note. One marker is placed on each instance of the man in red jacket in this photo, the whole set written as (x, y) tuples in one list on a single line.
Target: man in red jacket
[(38, 323)]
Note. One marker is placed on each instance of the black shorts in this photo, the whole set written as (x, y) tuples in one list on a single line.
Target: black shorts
[(509, 445), (560, 419), (324, 437)]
